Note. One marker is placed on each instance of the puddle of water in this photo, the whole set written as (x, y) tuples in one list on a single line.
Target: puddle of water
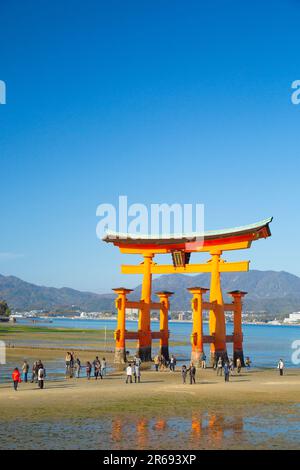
[(199, 431)]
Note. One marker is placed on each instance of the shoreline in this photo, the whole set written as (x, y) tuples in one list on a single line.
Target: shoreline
[(40, 320)]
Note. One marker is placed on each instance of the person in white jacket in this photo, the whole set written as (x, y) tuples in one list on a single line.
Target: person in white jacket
[(41, 376), (280, 366), (129, 373)]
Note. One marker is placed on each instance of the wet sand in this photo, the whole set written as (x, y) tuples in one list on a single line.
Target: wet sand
[(256, 409)]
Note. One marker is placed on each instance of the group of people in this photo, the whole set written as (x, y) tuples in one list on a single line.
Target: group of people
[(228, 366), (161, 363), (134, 370), (74, 366), (38, 374), (99, 367), (191, 370), (221, 365)]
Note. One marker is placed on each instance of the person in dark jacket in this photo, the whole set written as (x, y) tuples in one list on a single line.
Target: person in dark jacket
[(192, 372), (88, 369), (226, 371)]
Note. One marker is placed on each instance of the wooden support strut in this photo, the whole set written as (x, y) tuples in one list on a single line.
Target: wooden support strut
[(238, 352), (197, 333), (216, 315), (164, 322), (120, 333)]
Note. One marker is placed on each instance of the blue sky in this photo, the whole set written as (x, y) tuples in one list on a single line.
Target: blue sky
[(169, 101)]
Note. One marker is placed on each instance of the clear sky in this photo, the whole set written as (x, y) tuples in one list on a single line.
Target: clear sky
[(168, 101)]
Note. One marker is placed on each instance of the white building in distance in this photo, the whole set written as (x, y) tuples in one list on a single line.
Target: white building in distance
[(293, 318)]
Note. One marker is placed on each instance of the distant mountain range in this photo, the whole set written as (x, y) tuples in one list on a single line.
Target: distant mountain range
[(269, 291)]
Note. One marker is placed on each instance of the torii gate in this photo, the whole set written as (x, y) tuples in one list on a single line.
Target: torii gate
[(214, 243)]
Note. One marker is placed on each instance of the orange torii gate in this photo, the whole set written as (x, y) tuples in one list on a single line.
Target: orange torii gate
[(214, 243)]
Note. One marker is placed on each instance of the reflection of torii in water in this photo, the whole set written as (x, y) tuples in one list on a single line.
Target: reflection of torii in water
[(214, 243), (209, 427)]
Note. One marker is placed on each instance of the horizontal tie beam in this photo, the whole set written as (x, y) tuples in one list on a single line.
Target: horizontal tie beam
[(139, 304), (189, 268), (132, 304)]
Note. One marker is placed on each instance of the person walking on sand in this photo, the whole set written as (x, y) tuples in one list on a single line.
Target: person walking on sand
[(97, 368), (16, 376), (129, 373), (77, 367), (226, 371), (280, 366), (192, 371), (88, 369), (184, 372), (238, 365), (219, 366), (172, 363), (162, 363), (137, 360), (68, 364), (137, 372), (41, 376), (72, 364), (203, 361), (103, 367), (25, 370), (248, 363), (35, 369), (156, 362)]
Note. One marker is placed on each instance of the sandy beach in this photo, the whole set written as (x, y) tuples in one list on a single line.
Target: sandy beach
[(215, 413), (256, 409)]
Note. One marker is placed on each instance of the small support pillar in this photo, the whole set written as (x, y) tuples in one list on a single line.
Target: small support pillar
[(164, 322), (197, 333), (120, 351), (238, 352), (144, 327), (216, 316)]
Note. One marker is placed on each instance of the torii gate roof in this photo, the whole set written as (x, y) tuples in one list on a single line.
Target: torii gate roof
[(231, 238)]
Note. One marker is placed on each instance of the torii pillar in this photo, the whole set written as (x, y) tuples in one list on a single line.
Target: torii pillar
[(164, 322), (144, 326), (217, 325), (238, 352), (197, 333), (120, 351)]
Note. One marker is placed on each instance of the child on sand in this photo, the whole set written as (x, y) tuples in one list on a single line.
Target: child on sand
[(16, 376), (88, 369), (184, 373), (129, 374)]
